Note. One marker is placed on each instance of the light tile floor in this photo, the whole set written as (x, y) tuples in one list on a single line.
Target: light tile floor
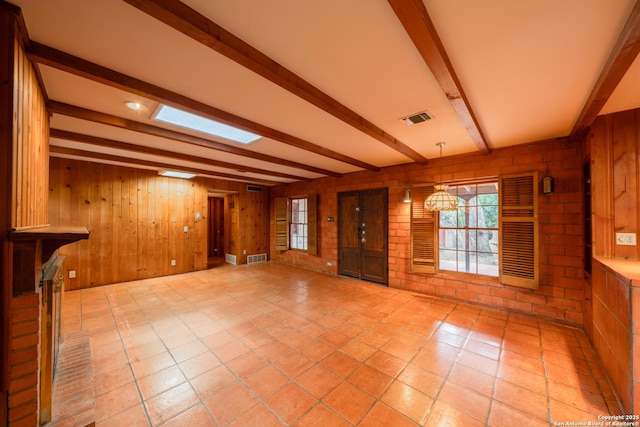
[(271, 345)]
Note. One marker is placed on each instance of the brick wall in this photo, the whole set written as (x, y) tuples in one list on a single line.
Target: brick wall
[(611, 327), (561, 294), (24, 361)]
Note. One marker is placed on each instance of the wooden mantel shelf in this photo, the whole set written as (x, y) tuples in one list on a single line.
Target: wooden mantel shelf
[(34, 246), (48, 232)]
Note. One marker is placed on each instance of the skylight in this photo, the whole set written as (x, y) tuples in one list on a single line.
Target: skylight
[(200, 124)]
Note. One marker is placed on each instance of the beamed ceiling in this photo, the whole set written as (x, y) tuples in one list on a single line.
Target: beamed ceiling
[(325, 83)]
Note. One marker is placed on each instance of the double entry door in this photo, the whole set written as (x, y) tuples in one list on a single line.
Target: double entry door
[(363, 234)]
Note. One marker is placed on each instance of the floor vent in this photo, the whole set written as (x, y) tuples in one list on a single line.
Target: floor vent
[(252, 259), (231, 259)]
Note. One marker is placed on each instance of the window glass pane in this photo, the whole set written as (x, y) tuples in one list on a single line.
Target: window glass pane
[(447, 239), (488, 264), (467, 262), (448, 260), (448, 219), (466, 240), (472, 216)]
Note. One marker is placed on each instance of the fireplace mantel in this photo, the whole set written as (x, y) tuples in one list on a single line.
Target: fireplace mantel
[(34, 246)]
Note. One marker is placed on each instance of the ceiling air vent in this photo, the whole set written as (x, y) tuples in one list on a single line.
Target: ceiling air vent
[(416, 118), (254, 189)]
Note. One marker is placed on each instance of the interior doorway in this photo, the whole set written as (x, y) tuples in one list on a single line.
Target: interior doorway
[(363, 234), (215, 245)]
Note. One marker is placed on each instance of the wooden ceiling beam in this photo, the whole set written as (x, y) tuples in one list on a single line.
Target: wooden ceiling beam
[(132, 125), (191, 23), (414, 17), (159, 165), (51, 57), (623, 54), (134, 148)]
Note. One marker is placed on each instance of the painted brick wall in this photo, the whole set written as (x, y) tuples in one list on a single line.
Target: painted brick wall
[(561, 294), (24, 361)]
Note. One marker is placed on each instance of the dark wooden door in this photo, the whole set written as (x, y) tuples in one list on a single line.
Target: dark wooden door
[(216, 227), (363, 234)]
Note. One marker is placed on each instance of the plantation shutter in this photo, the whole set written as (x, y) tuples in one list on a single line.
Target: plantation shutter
[(519, 230), (423, 231), (282, 223), (312, 224)]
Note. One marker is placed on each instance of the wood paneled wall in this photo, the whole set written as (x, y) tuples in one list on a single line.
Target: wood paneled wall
[(615, 147), (30, 146), (137, 218), (136, 221), (247, 226)]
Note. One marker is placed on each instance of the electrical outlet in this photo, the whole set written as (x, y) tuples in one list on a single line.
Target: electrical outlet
[(173, 263), (186, 228), (72, 274), (244, 252), (626, 239)]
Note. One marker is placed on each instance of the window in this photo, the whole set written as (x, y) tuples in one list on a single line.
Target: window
[(493, 232), (468, 237), (296, 223), (201, 124)]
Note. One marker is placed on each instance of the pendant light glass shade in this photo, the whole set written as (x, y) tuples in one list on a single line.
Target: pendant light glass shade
[(441, 200)]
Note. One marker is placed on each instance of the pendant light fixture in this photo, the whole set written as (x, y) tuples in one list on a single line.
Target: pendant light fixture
[(441, 200)]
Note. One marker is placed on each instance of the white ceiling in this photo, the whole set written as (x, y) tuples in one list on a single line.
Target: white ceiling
[(527, 69)]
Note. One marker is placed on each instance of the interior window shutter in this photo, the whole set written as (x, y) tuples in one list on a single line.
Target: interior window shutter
[(423, 231), (312, 224), (519, 230), (282, 223)]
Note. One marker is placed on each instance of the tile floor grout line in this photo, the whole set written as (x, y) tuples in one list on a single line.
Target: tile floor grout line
[(495, 379), (133, 374), (446, 378), (546, 377)]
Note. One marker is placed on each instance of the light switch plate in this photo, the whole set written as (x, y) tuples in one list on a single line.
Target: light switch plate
[(627, 239)]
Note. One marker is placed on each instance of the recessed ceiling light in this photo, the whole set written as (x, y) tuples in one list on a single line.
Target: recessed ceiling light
[(135, 105), (176, 174), (197, 123)]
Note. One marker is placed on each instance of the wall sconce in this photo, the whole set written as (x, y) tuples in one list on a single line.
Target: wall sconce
[(548, 185), (407, 196)]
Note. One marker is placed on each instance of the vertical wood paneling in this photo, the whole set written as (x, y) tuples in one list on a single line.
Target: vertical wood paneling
[(136, 220), (615, 140), (200, 230), (142, 227), (625, 185), (30, 146)]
